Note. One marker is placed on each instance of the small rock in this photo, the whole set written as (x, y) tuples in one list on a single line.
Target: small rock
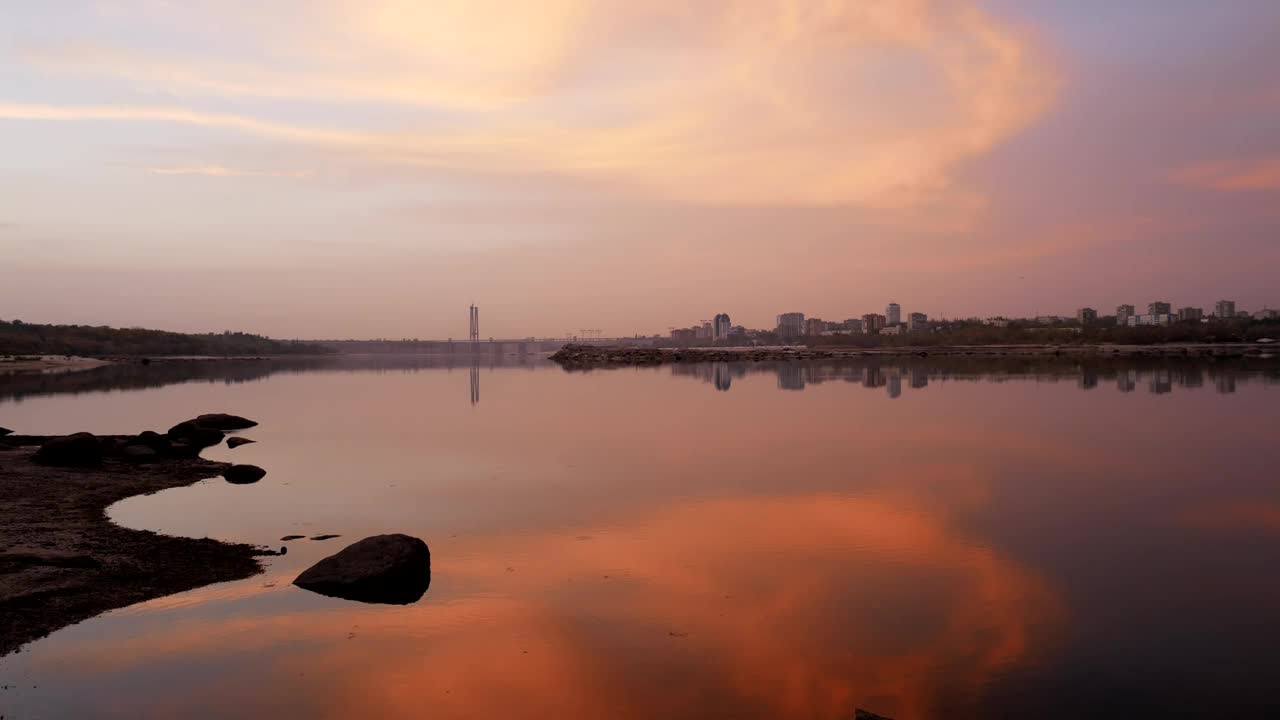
[(195, 435), (235, 442), (324, 537), (79, 449), (287, 538), (223, 421), (243, 474), (392, 569)]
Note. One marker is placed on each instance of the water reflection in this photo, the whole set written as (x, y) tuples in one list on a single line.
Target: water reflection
[(1159, 377)]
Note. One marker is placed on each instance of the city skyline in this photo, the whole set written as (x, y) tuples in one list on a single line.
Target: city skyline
[(227, 170)]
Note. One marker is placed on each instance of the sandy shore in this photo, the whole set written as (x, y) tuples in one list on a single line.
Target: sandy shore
[(62, 561), (49, 363)]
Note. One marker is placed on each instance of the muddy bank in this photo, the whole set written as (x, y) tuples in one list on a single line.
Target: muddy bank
[(573, 357), (49, 363), (62, 561)]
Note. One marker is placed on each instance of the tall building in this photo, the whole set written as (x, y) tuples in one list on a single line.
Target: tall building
[(853, 325), (720, 327), (1225, 309), (872, 323), (1190, 314), (1159, 308), (1087, 316), (1123, 313), (814, 326), (893, 314), (918, 321), (791, 323)]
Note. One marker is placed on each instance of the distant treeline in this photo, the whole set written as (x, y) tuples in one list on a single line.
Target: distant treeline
[(20, 338)]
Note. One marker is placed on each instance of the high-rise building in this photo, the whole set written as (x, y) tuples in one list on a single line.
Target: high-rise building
[(1123, 313), (720, 327), (872, 323), (1225, 309), (893, 314), (1159, 308), (1087, 316), (918, 321), (814, 326), (853, 325), (791, 323), (1190, 314)]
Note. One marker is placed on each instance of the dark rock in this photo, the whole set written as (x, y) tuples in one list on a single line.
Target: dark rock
[(223, 421), (392, 569), (287, 538), (324, 537), (195, 434), (860, 714), (243, 474), (139, 453), (5, 431), (238, 441), (80, 449)]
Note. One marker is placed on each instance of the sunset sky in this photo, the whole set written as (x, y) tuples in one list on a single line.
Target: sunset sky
[(369, 168)]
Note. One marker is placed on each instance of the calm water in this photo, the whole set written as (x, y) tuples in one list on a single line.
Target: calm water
[(968, 538)]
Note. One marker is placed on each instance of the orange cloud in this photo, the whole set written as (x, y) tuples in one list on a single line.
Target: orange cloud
[(1232, 175), (740, 102)]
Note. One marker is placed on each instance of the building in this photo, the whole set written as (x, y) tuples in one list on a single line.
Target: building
[(1162, 320), (891, 329), (683, 336), (1224, 309), (1190, 314), (1123, 313), (1086, 316), (1266, 314), (917, 322), (854, 325), (791, 324), (703, 331), (893, 314), (1159, 308), (720, 327), (814, 326), (873, 323)]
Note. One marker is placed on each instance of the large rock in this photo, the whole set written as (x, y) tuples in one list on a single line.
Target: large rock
[(223, 421), (392, 569), (80, 449), (5, 431), (243, 474)]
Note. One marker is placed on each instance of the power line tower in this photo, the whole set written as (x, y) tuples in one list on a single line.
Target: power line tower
[(475, 328)]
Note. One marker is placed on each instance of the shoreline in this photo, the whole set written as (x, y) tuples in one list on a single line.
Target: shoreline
[(62, 561), (574, 357)]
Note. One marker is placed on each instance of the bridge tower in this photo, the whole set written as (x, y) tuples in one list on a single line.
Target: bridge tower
[(475, 328)]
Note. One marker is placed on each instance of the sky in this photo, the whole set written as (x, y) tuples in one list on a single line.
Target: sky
[(370, 168)]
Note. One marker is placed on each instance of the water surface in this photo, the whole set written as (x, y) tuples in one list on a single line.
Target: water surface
[(1023, 538)]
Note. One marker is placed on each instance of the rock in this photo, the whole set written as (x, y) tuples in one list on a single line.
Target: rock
[(287, 538), (324, 537), (46, 558), (5, 431), (243, 474), (139, 453), (392, 569), (79, 449), (860, 714), (223, 421), (236, 442), (195, 434)]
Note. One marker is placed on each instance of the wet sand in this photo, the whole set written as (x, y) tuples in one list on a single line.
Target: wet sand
[(62, 561)]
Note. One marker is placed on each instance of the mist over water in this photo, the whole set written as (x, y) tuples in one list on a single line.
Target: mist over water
[(968, 537)]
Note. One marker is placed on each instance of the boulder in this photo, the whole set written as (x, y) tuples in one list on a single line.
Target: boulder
[(139, 453), (80, 449), (391, 569), (243, 474), (194, 436), (236, 442), (223, 421)]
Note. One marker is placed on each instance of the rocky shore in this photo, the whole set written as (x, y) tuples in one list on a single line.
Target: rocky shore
[(582, 357), (62, 561)]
